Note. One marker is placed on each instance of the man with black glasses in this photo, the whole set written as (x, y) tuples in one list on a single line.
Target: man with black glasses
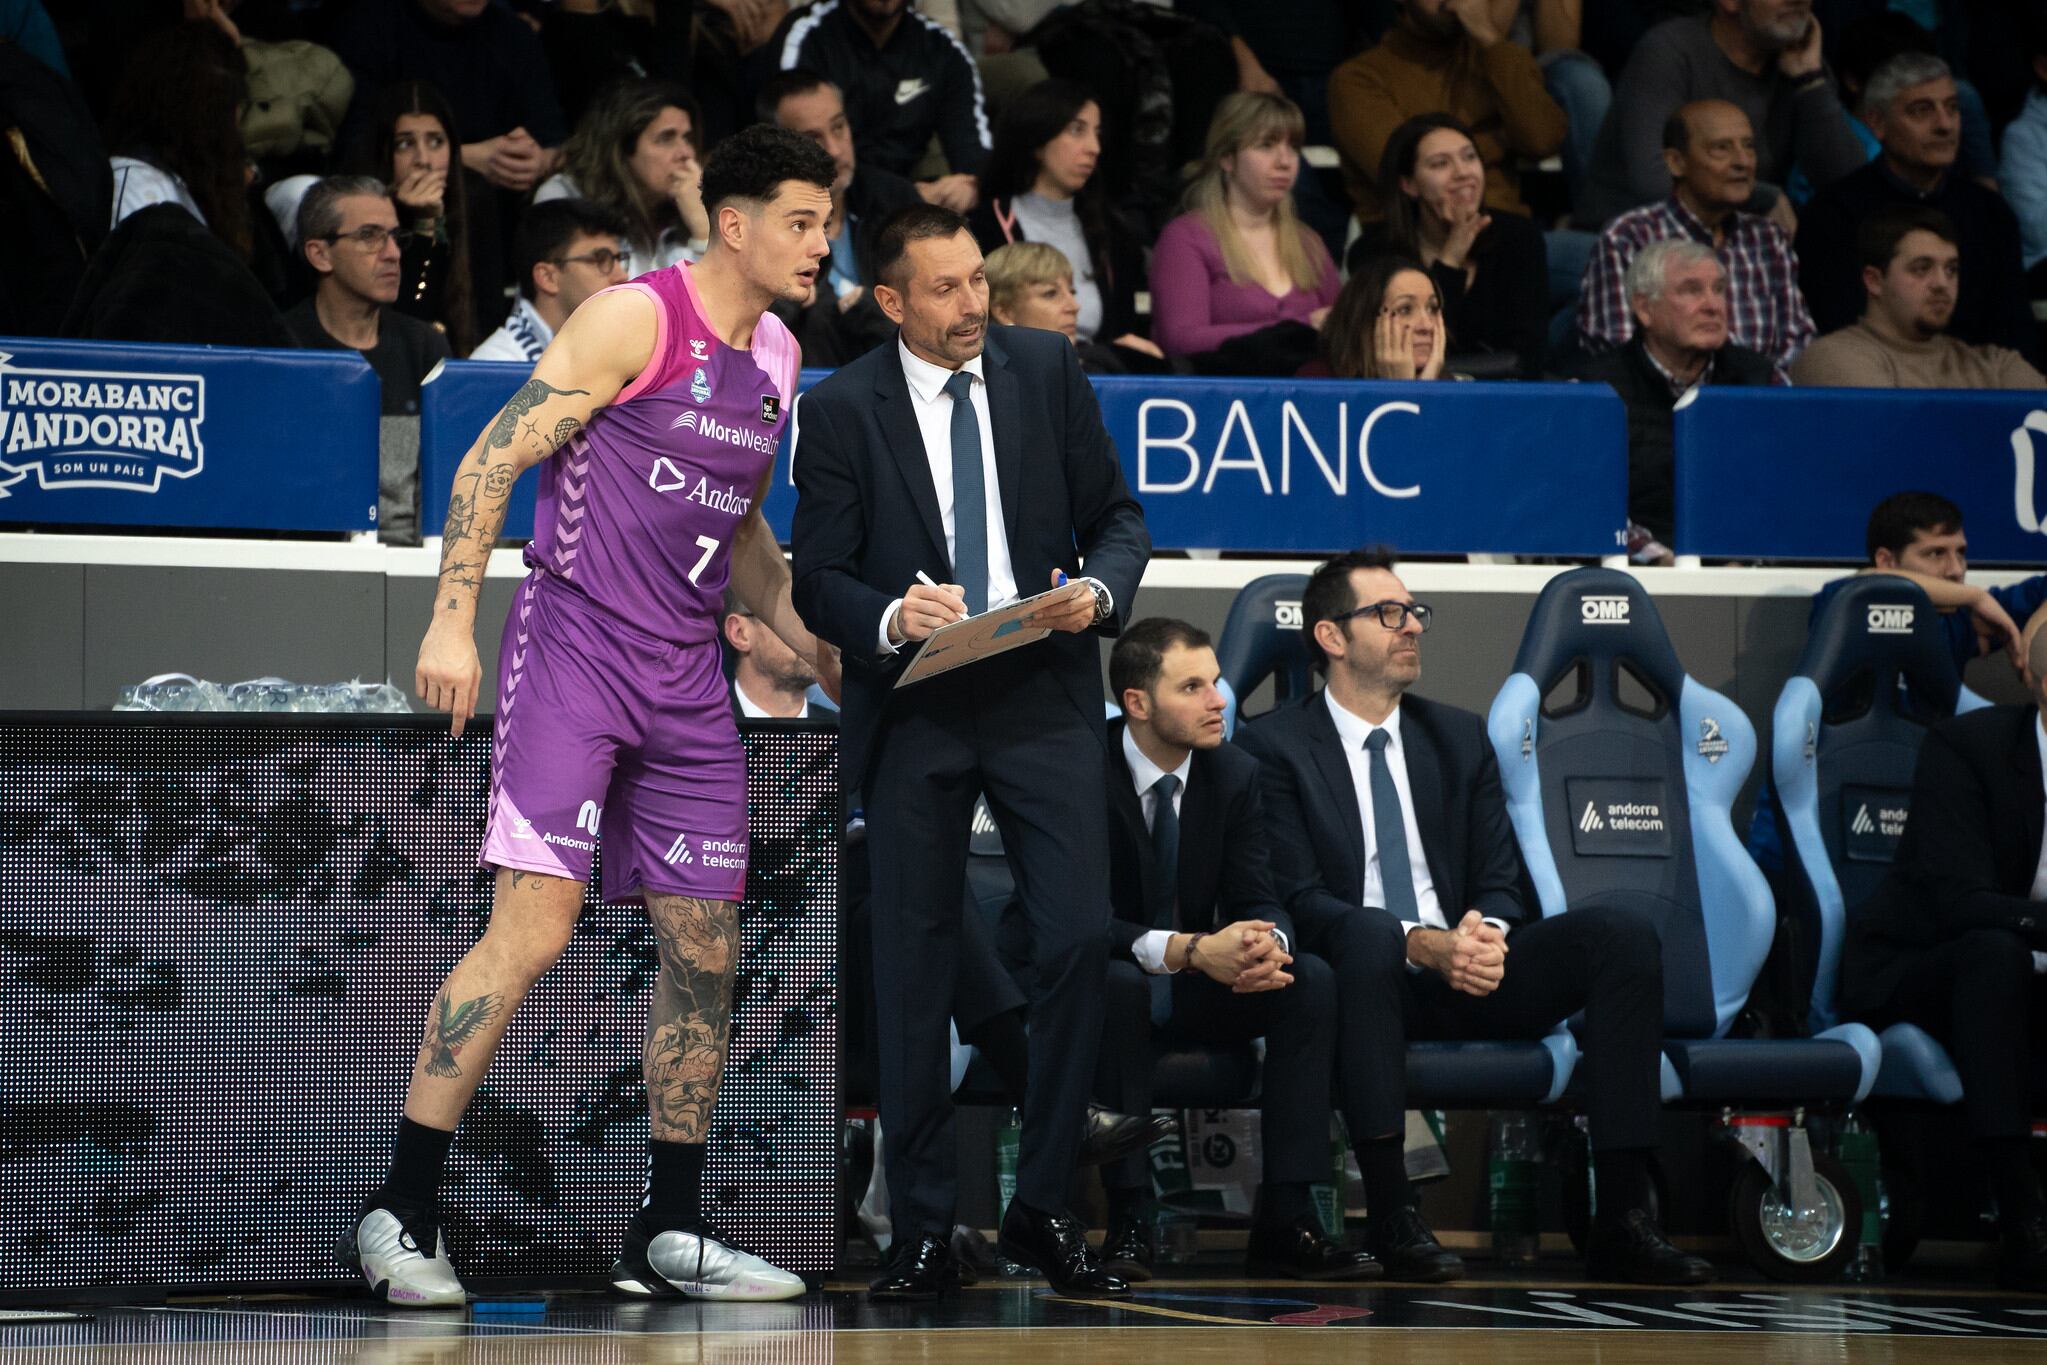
[(348, 230), (564, 251), (1392, 851)]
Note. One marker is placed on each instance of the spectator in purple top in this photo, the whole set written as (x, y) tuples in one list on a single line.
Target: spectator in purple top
[(1239, 260)]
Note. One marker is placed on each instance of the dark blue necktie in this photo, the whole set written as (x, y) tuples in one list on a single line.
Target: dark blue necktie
[(1165, 856), (1389, 835), (969, 496)]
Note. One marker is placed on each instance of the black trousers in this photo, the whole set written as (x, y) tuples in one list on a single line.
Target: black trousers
[(1978, 996), (1298, 1024), (1011, 730), (1606, 963)]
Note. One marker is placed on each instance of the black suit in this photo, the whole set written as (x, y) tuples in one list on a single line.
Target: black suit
[(1947, 941), (1222, 878), (1026, 728), (1607, 964)]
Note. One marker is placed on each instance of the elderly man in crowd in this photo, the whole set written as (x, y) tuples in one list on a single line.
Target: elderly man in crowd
[(1677, 290), (1709, 148)]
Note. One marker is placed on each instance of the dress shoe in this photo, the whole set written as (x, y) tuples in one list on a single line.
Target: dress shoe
[(1632, 1248), (2022, 1256), (1408, 1250), (1127, 1250), (975, 1257), (1300, 1250), (1056, 1246), (1110, 1135), (922, 1269)]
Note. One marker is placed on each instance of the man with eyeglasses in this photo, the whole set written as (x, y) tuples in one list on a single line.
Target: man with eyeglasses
[(348, 230), (1392, 851), (564, 251)]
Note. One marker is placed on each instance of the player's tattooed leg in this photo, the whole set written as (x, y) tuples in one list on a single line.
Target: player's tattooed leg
[(690, 1020)]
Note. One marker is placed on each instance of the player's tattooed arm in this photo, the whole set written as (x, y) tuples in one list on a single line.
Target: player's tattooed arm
[(689, 1021), (521, 418)]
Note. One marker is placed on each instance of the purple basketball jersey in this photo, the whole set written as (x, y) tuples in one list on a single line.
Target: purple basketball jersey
[(637, 512)]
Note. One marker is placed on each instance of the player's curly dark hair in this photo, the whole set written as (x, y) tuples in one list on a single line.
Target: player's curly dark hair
[(755, 162)]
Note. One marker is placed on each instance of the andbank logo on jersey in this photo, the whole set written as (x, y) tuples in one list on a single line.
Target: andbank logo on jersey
[(669, 477), (706, 425), (99, 429)]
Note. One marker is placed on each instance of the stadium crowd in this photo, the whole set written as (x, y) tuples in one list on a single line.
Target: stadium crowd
[(1865, 180)]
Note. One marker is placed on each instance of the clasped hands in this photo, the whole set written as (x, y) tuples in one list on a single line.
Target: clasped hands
[(1472, 958), (1243, 956)]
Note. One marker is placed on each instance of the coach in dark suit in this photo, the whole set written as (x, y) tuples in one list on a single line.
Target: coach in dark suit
[(1949, 941), (1199, 949), (983, 467), (1392, 848)]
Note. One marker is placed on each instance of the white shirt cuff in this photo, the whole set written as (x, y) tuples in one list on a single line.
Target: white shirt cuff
[(885, 646), (1497, 923), (1408, 926), (1150, 950)]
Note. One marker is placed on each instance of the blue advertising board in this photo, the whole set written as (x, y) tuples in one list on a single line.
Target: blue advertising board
[(1793, 473), (1293, 466), (133, 434), (1312, 466)]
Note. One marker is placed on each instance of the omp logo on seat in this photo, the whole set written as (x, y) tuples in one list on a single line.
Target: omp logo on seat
[(1891, 619), (1287, 614), (1590, 820), (1603, 609)]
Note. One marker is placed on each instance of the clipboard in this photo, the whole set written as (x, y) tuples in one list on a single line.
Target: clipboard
[(993, 632)]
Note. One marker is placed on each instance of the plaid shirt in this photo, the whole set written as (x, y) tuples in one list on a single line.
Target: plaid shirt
[(1766, 312)]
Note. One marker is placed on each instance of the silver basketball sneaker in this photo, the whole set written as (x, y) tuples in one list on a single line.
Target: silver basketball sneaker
[(698, 1266), (388, 1254)]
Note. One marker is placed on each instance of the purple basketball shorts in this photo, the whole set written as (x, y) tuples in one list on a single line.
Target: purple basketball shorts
[(599, 724)]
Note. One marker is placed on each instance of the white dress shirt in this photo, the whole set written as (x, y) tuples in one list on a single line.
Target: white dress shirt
[(2040, 871), (1150, 948), (933, 406), (1353, 730), (752, 711)]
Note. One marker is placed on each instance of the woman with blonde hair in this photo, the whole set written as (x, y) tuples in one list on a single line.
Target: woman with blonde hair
[(1030, 284), (1239, 260)]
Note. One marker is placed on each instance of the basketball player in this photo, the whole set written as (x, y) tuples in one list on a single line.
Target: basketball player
[(653, 415)]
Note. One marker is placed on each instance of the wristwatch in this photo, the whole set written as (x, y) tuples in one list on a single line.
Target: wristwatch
[(1102, 605)]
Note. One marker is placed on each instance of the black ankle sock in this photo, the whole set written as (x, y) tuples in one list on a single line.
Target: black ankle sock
[(1382, 1162), (675, 1182), (1286, 1202), (1004, 1043), (1620, 1180), (2013, 1180), (417, 1158), (1126, 1203)]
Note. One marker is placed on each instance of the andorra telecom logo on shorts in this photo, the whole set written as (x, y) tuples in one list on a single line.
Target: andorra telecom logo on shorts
[(99, 429)]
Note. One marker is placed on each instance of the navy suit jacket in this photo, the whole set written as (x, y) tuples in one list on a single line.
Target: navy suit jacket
[(867, 515), (1318, 836), (1224, 872)]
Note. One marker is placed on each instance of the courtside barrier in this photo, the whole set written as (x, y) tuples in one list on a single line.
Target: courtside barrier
[(129, 434), (1793, 473)]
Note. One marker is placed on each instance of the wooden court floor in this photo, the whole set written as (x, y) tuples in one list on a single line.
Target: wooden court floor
[(1170, 1322)]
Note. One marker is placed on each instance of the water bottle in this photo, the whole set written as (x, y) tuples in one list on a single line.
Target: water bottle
[(1511, 1177), (1864, 1164), (1329, 1197), (1008, 1137)]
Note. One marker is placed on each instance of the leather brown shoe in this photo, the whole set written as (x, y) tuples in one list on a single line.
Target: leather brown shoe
[(1056, 1246), (1300, 1250)]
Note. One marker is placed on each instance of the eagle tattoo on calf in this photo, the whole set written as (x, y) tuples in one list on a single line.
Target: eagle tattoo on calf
[(455, 1025)]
